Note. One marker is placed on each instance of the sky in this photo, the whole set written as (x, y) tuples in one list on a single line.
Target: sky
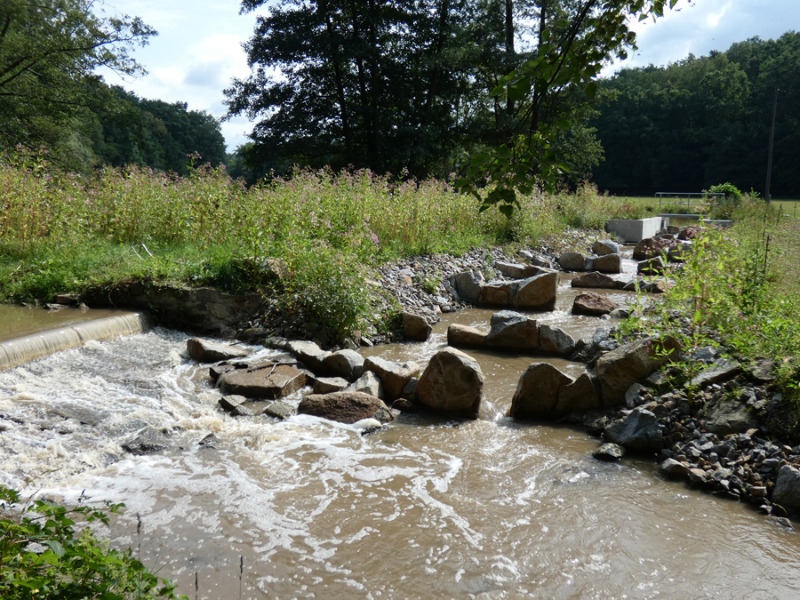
[(199, 47)]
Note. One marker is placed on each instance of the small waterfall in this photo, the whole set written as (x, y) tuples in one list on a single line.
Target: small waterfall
[(21, 350)]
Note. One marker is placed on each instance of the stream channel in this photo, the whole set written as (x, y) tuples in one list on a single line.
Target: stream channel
[(425, 508)]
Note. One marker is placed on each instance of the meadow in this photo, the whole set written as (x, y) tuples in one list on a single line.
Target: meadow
[(64, 233)]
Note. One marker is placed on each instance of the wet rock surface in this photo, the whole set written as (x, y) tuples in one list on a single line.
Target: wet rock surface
[(451, 384), (345, 407)]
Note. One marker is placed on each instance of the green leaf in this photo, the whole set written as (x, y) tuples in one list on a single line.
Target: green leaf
[(55, 546)]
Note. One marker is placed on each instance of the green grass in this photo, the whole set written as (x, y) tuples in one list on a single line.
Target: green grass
[(739, 287), (63, 233), (655, 206)]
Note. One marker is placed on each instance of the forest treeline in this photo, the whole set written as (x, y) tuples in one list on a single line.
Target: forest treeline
[(51, 96), (424, 88), (703, 121)]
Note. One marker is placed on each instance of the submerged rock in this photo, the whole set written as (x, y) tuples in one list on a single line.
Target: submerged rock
[(345, 407), (592, 305), (147, 441), (609, 452)]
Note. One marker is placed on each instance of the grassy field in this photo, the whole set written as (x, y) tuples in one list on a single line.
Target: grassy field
[(62, 233), (654, 206)]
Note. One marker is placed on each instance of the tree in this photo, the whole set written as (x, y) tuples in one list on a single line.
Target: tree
[(154, 133), (48, 51), (574, 38), (702, 121), (341, 82)]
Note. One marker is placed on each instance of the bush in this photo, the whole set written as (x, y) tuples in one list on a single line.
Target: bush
[(723, 206), (42, 555)]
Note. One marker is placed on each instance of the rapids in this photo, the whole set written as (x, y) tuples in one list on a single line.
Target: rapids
[(423, 508)]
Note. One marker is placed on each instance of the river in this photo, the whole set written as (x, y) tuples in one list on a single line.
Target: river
[(423, 508)]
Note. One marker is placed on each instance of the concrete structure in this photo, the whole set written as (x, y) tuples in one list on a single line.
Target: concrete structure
[(635, 230), (21, 350)]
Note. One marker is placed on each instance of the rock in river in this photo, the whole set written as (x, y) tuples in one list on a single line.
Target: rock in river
[(345, 407), (452, 384)]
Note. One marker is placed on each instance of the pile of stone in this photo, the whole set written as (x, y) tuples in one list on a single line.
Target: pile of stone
[(343, 385), (605, 259), (726, 431)]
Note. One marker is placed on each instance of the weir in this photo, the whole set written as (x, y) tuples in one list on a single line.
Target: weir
[(24, 349)]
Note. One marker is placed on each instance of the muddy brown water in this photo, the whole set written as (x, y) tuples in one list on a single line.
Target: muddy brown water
[(18, 321), (426, 508)]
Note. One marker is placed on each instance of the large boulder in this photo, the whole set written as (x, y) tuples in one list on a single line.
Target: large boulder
[(639, 431), (345, 407), (464, 336), (578, 396), (451, 384), (537, 392), (608, 263), (415, 327), (309, 353), (368, 383), (603, 247), (787, 490), (537, 293), (652, 266), (535, 259), (648, 248), (595, 279), (517, 270), (729, 415), (512, 331), (554, 340), (206, 351), (393, 375), (344, 363), (467, 285), (592, 305), (327, 385), (264, 380), (497, 293), (630, 363), (572, 261)]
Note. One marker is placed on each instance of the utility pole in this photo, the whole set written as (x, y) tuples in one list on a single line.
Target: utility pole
[(771, 142)]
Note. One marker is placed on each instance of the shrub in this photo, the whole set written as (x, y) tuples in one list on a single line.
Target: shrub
[(43, 555), (723, 206)]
